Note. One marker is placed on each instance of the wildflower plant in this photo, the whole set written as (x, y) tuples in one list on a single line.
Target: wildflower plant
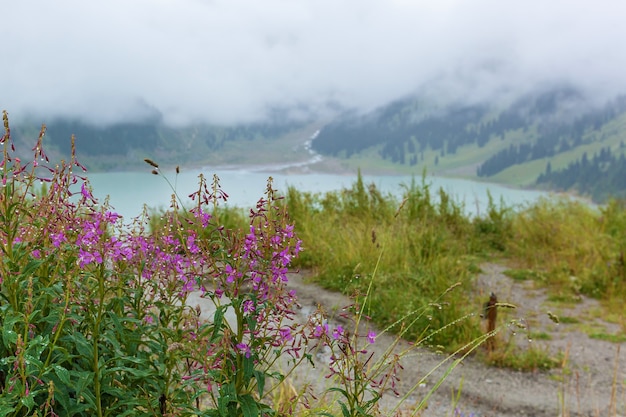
[(94, 310)]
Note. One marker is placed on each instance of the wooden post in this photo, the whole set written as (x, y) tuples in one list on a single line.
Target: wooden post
[(491, 314)]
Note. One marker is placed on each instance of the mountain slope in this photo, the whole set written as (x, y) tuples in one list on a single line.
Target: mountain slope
[(511, 144), (123, 146)]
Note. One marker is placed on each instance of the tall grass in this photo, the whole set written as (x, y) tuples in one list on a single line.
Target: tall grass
[(428, 244), (424, 241), (580, 249)]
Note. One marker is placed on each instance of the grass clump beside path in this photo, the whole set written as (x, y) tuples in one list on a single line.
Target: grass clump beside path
[(425, 244), (575, 249)]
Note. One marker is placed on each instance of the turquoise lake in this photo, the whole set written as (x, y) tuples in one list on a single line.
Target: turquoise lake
[(129, 191)]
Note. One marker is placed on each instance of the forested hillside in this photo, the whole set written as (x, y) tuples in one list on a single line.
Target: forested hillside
[(510, 144), (121, 145), (555, 136), (600, 176)]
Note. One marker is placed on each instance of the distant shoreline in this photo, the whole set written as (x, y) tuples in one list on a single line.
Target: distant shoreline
[(319, 165)]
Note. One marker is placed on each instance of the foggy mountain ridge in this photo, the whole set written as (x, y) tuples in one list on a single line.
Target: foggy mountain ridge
[(552, 127), (541, 139), (456, 124), (119, 146)]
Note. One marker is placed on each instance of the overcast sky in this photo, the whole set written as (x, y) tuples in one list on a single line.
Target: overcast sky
[(223, 61)]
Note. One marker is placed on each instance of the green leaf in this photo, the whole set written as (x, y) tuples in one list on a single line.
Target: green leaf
[(36, 346), (361, 411), (61, 393), (63, 374), (228, 395), (260, 381), (9, 336), (218, 320), (252, 323), (85, 349), (33, 364), (28, 401), (248, 368), (339, 390), (248, 406), (344, 409), (89, 399), (84, 378), (374, 400), (6, 411), (309, 359), (30, 267), (136, 373)]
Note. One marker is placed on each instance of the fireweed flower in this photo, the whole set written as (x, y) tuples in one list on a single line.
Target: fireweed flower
[(285, 333), (248, 306), (320, 330), (231, 274), (139, 244), (204, 217), (188, 285), (191, 244), (57, 239), (168, 240), (288, 231), (85, 192), (120, 250), (111, 217), (90, 232), (284, 257), (244, 349), (86, 258), (250, 245), (338, 332)]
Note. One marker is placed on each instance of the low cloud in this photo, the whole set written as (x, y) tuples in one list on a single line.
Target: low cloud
[(227, 61)]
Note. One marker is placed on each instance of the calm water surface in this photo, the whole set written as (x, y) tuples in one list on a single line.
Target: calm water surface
[(129, 191)]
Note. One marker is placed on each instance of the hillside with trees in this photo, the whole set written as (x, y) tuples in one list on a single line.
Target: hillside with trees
[(600, 176), (120, 146), (511, 144)]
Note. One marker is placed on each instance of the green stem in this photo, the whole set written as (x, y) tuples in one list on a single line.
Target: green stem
[(239, 369), (59, 328), (96, 337), (173, 188)]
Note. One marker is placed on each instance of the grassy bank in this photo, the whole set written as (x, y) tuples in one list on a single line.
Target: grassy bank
[(410, 252)]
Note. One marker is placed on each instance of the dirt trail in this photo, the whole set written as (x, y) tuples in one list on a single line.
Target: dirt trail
[(585, 388), (496, 392)]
